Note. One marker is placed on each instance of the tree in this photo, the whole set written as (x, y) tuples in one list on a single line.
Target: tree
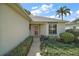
[(76, 20), (27, 11), (63, 11)]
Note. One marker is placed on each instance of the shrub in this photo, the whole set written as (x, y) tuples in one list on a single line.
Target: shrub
[(22, 49), (67, 37), (75, 32), (53, 38), (42, 38)]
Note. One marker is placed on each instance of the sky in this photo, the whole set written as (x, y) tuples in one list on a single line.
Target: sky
[(49, 9)]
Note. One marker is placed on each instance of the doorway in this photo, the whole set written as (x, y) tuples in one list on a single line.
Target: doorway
[(35, 30)]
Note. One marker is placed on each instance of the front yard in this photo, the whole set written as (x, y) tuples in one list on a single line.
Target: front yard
[(51, 47), (65, 45)]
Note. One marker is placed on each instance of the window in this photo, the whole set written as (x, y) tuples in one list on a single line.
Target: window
[(74, 27), (52, 28)]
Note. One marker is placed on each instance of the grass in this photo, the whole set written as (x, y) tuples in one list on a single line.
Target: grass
[(22, 49), (56, 48)]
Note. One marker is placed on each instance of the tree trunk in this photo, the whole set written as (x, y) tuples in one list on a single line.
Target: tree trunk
[(62, 16)]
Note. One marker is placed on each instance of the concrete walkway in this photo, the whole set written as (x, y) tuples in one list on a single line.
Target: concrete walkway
[(35, 48)]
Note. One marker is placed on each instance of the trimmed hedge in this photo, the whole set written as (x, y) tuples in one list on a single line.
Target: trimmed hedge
[(75, 32), (22, 49), (67, 37)]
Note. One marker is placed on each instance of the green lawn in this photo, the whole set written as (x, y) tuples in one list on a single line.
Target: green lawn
[(52, 47)]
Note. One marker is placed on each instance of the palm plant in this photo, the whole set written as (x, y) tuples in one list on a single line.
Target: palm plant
[(27, 11), (63, 11)]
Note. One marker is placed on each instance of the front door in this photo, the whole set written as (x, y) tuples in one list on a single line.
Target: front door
[(34, 30)]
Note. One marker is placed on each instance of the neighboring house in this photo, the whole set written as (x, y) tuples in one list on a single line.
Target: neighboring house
[(16, 25), (71, 25)]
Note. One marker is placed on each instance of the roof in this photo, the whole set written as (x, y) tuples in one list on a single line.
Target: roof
[(19, 10), (73, 22), (44, 19), (77, 20)]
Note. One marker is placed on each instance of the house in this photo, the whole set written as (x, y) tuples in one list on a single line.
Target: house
[(46, 26), (73, 24), (16, 25)]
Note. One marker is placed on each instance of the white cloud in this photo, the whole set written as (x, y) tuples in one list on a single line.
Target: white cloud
[(34, 7), (45, 8), (77, 12), (36, 12), (71, 12)]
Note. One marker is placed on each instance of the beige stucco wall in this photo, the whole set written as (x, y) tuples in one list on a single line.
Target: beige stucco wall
[(47, 29), (32, 30), (60, 28), (13, 29), (44, 29)]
